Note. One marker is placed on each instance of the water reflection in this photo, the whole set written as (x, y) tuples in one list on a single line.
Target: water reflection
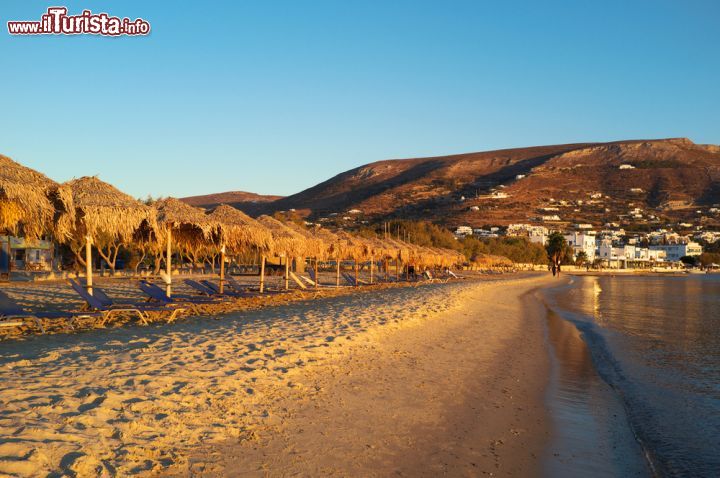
[(656, 340), (591, 436)]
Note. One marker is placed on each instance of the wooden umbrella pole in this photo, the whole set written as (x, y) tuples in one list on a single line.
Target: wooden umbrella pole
[(168, 262), (317, 276), (9, 257), (337, 274), (88, 264), (372, 263), (222, 269), (356, 272), (262, 274), (397, 269), (287, 272)]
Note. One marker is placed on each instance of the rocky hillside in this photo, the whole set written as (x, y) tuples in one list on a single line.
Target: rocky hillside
[(642, 181)]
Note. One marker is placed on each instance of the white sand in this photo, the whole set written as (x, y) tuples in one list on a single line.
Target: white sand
[(195, 396)]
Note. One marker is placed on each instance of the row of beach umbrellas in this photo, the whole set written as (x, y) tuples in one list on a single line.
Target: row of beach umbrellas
[(85, 210)]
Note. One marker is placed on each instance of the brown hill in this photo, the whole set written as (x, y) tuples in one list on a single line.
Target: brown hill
[(670, 179), (240, 199)]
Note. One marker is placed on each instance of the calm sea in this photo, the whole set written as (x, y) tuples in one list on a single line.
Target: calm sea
[(655, 343)]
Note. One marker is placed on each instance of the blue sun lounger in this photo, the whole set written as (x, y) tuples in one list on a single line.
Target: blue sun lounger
[(157, 294), (229, 291), (12, 315), (108, 309)]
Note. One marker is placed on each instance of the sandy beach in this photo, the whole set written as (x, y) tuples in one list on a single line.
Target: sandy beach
[(437, 379)]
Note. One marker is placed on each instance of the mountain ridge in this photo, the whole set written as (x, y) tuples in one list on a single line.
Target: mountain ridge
[(668, 176)]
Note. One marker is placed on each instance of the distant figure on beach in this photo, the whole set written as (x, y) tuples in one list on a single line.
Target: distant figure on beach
[(558, 250)]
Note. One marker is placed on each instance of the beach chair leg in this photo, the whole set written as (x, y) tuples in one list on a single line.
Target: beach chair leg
[(142, 316), (174, 315), (103, 319)]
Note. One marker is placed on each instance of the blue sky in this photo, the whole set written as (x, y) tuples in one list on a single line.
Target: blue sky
[(273, 97)]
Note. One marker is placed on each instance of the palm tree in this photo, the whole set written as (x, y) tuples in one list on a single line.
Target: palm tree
[(581, 258), (558, 250)]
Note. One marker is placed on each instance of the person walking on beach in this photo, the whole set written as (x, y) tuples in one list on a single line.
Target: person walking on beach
[(558, 250)]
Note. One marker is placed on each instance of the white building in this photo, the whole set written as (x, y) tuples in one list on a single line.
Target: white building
[(583, 241), (674, 252), (463, 231), (536, 234)]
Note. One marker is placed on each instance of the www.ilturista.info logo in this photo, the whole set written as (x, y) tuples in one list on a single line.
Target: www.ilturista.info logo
[(57, 22)]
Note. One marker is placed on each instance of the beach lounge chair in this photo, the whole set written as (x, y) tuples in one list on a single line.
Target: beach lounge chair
[(12, 315), (297, 280), (312, 280), (309, 281), (108, 309), (158, 294), (453, 275), (385, 278), (198, 287), (313, 277), (228, 291), (237, 287), (429, 277), (349, 279)]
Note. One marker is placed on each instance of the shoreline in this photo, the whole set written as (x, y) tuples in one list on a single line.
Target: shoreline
[(593, 434)]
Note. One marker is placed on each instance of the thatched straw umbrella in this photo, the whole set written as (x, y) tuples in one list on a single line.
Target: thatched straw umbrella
[(315, 247), (31, 200), (335, 247), (287, 243), (358, 249), (101, 210), (239, 231), (379, 250), (189, 226), (402, 253)]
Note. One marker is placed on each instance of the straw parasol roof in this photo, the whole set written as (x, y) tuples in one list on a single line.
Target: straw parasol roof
[(334, 246), (30, 199), (189, 225), (357, 248), (240, 231), (286, 241), (101, 208), (314, 245), (402, 250)]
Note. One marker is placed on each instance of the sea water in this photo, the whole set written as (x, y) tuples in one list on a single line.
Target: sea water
[(654, 343)]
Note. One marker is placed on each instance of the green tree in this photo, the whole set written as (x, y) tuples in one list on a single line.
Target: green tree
[(709, 258), (692, 261), (558, 250), (581, 258)]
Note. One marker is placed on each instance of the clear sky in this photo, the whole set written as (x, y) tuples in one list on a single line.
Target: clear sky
[(275, 96)]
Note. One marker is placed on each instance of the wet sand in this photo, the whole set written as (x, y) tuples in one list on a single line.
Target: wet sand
[(416, 381), (591, 432)]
